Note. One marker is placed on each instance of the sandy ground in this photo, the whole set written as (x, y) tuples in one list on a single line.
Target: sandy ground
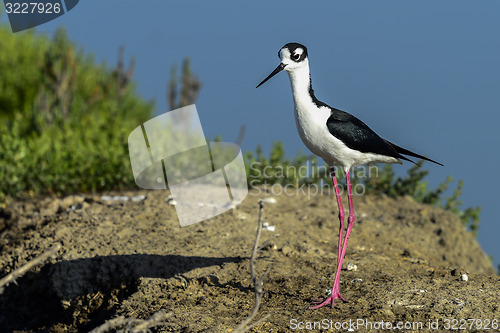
[(132, 259)]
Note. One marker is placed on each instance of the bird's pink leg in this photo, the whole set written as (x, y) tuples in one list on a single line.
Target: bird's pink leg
[(350, 224), (351, 218), (335, 294), (341, 212)]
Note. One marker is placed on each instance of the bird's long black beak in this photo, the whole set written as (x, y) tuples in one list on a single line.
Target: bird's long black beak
[(276, 71)]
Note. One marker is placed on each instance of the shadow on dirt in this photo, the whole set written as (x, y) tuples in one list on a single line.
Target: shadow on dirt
[(42, 299)]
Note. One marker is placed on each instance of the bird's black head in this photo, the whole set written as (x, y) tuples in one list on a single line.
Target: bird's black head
[(292, 56), (295, 51)]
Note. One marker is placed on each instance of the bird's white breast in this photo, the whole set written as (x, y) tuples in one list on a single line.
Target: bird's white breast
[(311, 125), (311, 122), (312, 128)]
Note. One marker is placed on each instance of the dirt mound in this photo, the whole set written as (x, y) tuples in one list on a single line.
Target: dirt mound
[(124, 254)]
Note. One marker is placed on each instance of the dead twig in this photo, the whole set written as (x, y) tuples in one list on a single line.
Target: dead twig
[(155, 320), (113, 324), (241, 136), (134, 325), (257, 283), (12, 276)]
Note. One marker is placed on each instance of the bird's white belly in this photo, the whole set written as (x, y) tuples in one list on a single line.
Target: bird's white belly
[(315, 135), (311, 125)]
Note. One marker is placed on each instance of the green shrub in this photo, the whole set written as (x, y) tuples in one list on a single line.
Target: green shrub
[(64, 120), (277, 169)]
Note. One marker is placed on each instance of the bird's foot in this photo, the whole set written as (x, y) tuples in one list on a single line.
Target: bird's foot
[(330, 300)]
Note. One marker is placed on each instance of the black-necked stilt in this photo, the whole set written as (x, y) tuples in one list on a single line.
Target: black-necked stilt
[(336, 136)]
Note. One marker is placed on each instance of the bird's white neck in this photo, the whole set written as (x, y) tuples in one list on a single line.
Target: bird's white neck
[(301, 85)]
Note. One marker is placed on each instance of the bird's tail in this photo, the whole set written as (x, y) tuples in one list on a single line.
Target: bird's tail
[(404, 151)]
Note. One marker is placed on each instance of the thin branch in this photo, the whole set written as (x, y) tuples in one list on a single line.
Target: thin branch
[(241, 136), (12, 276), (112, 324), (134, 325), (257, 283), (155, 320), (259, 321)]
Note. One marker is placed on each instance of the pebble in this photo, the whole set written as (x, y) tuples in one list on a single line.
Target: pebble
[(266, 226), (77, 206), (170, 200), (138, 198), (352, 267), (115, 198), (464, 277), (268, 245), (270, 200), (287, 250)]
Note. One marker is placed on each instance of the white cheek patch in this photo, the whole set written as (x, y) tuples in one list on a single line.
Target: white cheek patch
[(284, 54)]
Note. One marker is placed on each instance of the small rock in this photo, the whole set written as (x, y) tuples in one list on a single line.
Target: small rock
[(268, 245), (406, 253), (464, 277), (170, 200), (51, 209), (270, 200), (138, 198), (70, 201), (266, 226), (115, 198), (78, 206), (352, 267), (287, 250)]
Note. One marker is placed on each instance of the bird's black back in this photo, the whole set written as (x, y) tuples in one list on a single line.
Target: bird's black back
[(356, 135)]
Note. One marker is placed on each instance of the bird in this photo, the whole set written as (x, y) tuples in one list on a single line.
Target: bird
[(337, 137)]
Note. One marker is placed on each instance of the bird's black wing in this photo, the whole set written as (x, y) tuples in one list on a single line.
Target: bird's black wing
[(358, 136)]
